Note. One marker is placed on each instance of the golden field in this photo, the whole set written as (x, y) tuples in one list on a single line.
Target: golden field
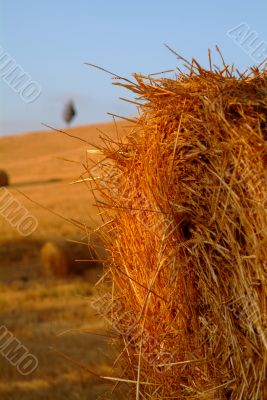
[(50, 316)]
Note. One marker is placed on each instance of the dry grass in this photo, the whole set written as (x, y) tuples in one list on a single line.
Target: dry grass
[(37, 312), (36, 309), (38, 165), (185, 225)]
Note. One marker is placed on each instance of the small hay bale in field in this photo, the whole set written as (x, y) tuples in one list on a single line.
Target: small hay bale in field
[(54, 260), (62, 258), (4, 179), (186, 231)]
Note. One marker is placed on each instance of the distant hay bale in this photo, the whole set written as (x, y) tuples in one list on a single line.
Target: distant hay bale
[(54, 260), (185, 225), (62, 258), (4, 179)]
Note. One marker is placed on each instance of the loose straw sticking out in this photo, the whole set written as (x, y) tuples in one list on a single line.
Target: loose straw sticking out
[(95, 151), (189, 280)]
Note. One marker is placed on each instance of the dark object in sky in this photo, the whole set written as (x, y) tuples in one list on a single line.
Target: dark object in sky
[(69, 112)]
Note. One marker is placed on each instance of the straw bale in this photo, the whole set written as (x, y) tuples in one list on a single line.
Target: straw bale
[(186, 232), (4, 180)]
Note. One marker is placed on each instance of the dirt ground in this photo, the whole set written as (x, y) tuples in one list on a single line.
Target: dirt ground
[(52, 317)]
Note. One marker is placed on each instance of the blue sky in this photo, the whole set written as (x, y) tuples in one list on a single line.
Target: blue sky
[(52, 39)]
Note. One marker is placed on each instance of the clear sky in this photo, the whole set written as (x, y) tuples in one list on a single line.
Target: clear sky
[(52, 39)]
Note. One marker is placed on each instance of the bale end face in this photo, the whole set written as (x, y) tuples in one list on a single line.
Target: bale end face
[(185, 225)]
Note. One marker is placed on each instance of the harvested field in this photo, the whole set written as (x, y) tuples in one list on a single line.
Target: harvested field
[(38, 309)]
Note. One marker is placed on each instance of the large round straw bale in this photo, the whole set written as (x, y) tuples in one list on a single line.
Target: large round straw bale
[(4, 180), (186, 230), (61, 258)]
